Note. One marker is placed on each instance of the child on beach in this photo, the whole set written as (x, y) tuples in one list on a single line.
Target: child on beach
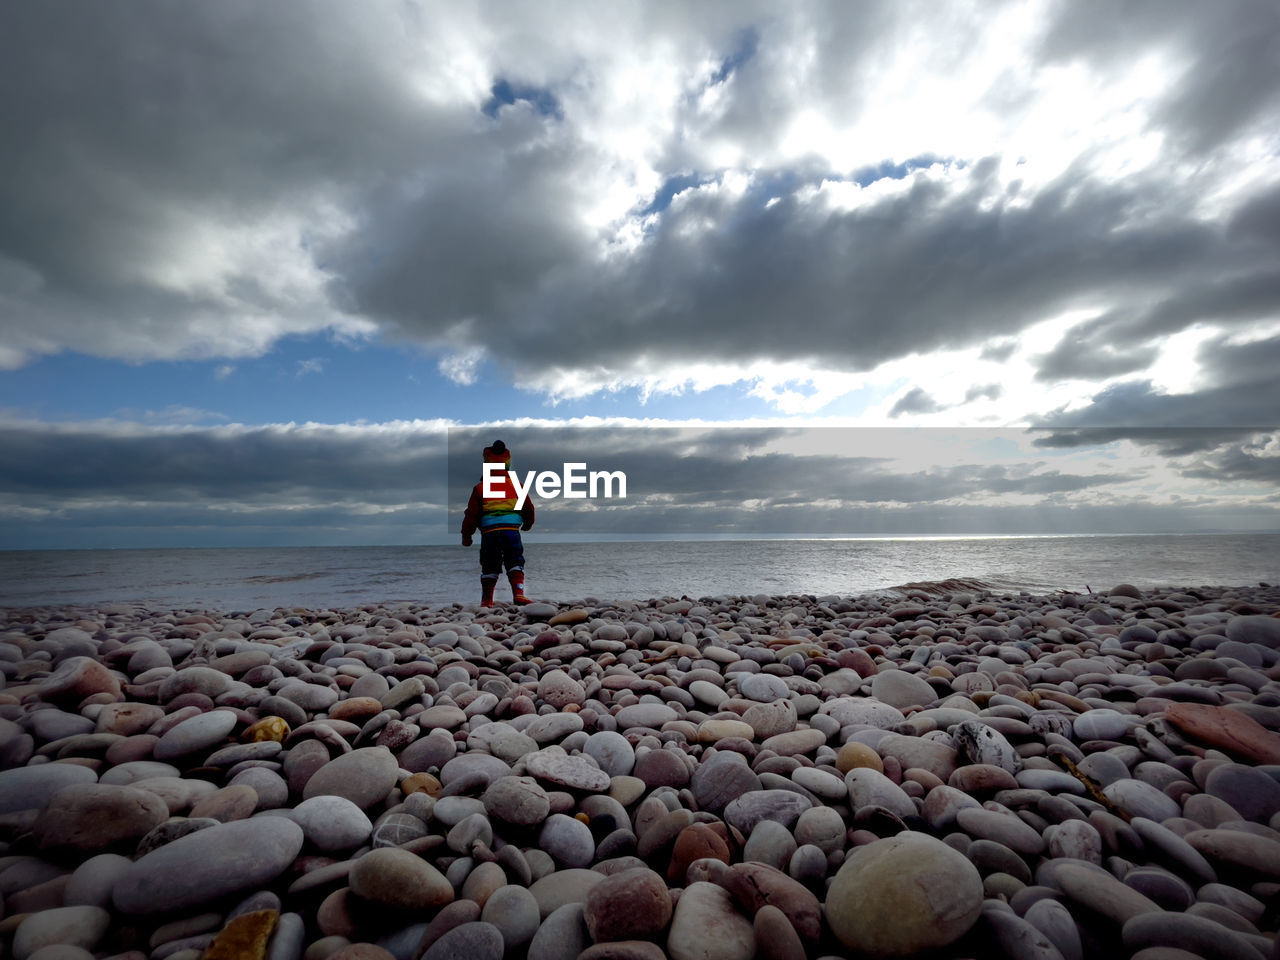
[(499, 524)]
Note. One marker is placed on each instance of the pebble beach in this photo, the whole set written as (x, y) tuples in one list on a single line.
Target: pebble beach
[(948, 772)]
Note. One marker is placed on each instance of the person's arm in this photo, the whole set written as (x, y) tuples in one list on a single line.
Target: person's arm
[(471, 519), (526, 514)]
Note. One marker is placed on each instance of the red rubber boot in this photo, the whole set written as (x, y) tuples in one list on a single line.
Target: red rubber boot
[(486, 590), (517, 587)]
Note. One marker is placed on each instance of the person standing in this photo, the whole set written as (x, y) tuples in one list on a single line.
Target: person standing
[(499, 523)]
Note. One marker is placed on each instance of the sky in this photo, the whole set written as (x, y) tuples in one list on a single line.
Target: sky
[(259, 264)]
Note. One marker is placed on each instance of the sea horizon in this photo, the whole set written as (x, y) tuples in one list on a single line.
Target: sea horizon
[(633, 570)]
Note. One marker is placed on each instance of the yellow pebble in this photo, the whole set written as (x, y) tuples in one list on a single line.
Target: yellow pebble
[(420, 783), (268, 728), (854, 754)]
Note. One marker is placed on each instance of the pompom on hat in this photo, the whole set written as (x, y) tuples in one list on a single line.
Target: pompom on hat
[(497, 452)]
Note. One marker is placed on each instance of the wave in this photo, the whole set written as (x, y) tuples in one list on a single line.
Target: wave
[(939, 589), (292, 578)]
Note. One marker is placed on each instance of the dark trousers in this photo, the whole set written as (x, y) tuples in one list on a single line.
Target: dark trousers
[(502, 548)]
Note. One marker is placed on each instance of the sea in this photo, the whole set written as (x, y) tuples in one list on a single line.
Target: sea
[(248, 579)]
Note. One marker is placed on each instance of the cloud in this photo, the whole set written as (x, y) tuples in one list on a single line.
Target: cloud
[(131, 484), (1237, 389), (659, 197), (311, 365), (914, 400), (461, 368), (990, 391)]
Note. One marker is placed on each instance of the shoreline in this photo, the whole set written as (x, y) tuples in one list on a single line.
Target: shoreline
[(1071, 773), (968, 589)]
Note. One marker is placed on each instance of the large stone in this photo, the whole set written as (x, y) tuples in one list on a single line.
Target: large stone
[(469, 941), (1252, 793), (29, 788), (611, 752), (573, 771), (399, 879), (1003, 828), (331, 823), (66, 926), (194, 734), (1198, 935), (629, 905), (857, 711), (979, 743), (568, 840), (209, 864), (1255, 629), (661, 768), (559, 689), (502, 740), (563, 887), (212, 683), (433, 751), (91, 882), (871, 788), (795, 742), (1226, 729), (938, 758), (781, 805), (755, 885), (762, 687), (903, 895), (1015, 936), (514, 911), (1100, 892), (770, 719), (1101, 724), (721, 779), (697, 841), (77, 678), (552, 728), (517, 800), (707, 927), (563, 934), (89, 818), (652, 715), (1142, 800), (1235, 848), (901, 689), (363, 776)]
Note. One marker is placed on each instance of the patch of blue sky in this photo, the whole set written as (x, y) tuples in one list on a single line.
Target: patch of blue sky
[(318, 379), (887, 169), (504, 93)]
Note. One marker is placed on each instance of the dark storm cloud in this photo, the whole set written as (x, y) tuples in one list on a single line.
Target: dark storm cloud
[(1225, 431), (1255, 461), (388, 483), (280, 465), (1240, 391), (1167, 441), (836, 277), (180, 191), (1089, 354)]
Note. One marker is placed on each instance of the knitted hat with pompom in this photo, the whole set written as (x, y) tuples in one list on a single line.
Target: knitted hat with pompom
[(497, 453)]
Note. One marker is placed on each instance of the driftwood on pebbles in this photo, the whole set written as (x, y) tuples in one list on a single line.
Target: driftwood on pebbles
[(944, 772)]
